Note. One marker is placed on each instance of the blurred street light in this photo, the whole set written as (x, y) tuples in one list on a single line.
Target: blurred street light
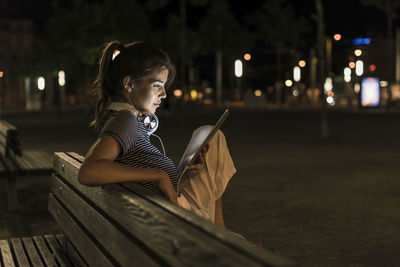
[(1, 74), (288, 83), (347, 74), (337, 37), (193, 94), (238, 68), (178, 93), (302, 63), (247, 56), (352, 65), (61, 78), (208, 90), (359, 67), (384, 83), (41, 83), (357, 88), (296, 74), (257, 93), (372, 67), (357, 52), (328, 85)]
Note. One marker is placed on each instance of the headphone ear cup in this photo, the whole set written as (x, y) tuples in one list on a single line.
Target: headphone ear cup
[(151, 123)]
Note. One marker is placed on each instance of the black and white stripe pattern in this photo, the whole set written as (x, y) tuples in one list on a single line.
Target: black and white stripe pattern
[(136, 149)]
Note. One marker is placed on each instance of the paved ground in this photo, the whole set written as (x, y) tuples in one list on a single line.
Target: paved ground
[(322, 203)]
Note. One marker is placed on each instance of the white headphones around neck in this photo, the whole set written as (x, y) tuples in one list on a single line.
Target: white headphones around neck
[(150, 123)]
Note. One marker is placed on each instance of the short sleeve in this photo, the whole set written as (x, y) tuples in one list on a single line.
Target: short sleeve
[(123, 127)]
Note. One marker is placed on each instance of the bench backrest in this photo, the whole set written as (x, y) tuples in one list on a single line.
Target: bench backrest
[(121, 224), (9, 141)]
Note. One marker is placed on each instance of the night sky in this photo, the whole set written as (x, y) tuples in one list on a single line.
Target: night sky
[(347, 17)]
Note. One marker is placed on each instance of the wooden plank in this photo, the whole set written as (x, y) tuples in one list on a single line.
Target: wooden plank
[(57, 251), (3, 140), (44, 251), (32, 252), (6, 255), (35, 162), (19, 252), (115, 242), (174, 242), (5, 125), (71, 253), (77, 235)]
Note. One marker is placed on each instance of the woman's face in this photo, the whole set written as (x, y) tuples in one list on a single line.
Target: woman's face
[(148, 94)]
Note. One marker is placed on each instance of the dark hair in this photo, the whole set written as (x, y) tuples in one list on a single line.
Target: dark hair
[(137, 60)]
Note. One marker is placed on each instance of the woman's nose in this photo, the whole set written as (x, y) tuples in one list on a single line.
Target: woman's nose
[(163, 94)]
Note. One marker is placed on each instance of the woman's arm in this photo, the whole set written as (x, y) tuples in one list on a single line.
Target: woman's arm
[(98, 168)]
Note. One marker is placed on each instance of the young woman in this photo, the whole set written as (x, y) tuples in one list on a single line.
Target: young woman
[(130, 85)]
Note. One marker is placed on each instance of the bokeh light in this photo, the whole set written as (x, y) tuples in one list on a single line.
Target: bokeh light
[(193, 94), (178, 92), (288, 83), (337, 37), (372, 67), (41, 83), (357, 52)]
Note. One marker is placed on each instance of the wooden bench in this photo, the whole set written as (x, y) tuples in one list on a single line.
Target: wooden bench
[(14, 162), (47, 250), (123, 225)]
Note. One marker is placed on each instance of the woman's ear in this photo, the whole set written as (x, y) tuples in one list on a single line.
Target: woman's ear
[(128, 83)]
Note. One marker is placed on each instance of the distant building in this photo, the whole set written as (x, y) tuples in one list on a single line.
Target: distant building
[(17, 40)]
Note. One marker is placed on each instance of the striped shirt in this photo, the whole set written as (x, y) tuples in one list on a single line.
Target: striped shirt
[(136, 149)]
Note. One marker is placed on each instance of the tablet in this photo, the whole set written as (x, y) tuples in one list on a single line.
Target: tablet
[(201, 137)]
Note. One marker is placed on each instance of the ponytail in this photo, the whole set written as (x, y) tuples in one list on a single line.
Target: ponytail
[(103, 86)]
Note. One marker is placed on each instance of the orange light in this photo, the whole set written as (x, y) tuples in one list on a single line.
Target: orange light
[(372, 67), (331, 94), (247, 56), (177, 92), (1, 74), (352, 65), (337, 37), (302, 63)]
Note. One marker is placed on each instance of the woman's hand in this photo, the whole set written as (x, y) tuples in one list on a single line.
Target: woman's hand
[(165, 185), (193, 170)]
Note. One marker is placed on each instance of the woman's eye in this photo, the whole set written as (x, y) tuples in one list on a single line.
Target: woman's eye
[(156, 85)]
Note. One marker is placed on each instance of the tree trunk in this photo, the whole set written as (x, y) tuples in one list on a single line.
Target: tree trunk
[(218, 60), (182, 8), (321, 65)]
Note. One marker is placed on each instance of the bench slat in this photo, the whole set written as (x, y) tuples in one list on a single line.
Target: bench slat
[(70, 251), (74, 255), (79, 238), (57, 252), (19, 252), (35, 162), (32, 252), (177, 243), (6, 256), (115, 242), (44, 251)]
